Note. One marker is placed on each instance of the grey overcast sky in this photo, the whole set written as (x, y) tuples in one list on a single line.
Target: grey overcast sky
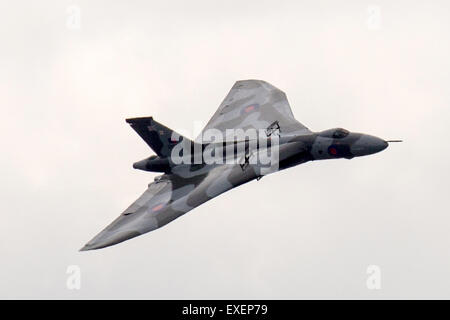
[(72, 71)]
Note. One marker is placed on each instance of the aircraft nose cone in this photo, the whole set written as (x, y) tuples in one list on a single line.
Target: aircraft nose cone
[(142, 165), (367, 144), (380, 145)]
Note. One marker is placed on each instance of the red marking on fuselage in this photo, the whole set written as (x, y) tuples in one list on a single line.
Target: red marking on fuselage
[(158, 207), (333, 151), (249, 108)]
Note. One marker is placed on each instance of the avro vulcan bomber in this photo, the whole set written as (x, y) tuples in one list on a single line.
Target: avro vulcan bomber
[(252, 134)]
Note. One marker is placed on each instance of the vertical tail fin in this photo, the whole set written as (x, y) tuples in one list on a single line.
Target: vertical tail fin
[(158, 137)]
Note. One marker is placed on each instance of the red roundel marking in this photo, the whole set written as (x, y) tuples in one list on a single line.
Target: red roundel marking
[(333, 151), (249, 108), (158, 207)]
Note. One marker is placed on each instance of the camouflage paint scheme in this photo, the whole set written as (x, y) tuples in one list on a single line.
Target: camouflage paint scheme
[(252, 104)]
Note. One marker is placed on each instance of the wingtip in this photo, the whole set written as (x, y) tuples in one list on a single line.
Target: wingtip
[(88, 247), (85, 248), (247, 81), (138, 119)]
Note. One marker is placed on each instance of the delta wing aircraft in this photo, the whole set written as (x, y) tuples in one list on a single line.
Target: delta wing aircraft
[(253, 133)]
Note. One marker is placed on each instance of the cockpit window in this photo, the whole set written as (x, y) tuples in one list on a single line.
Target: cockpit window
[(337, 133), (340, 133)]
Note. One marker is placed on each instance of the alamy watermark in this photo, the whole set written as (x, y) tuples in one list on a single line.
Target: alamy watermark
[(250, 147), (73, 18), (374, 17), (373, 281), (73, 281)]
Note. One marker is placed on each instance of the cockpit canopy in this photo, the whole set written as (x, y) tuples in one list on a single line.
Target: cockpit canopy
[(336, 133)]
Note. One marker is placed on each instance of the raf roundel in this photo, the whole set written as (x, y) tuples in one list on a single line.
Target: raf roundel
[(333, 151), (158, 207), (250, 108)]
